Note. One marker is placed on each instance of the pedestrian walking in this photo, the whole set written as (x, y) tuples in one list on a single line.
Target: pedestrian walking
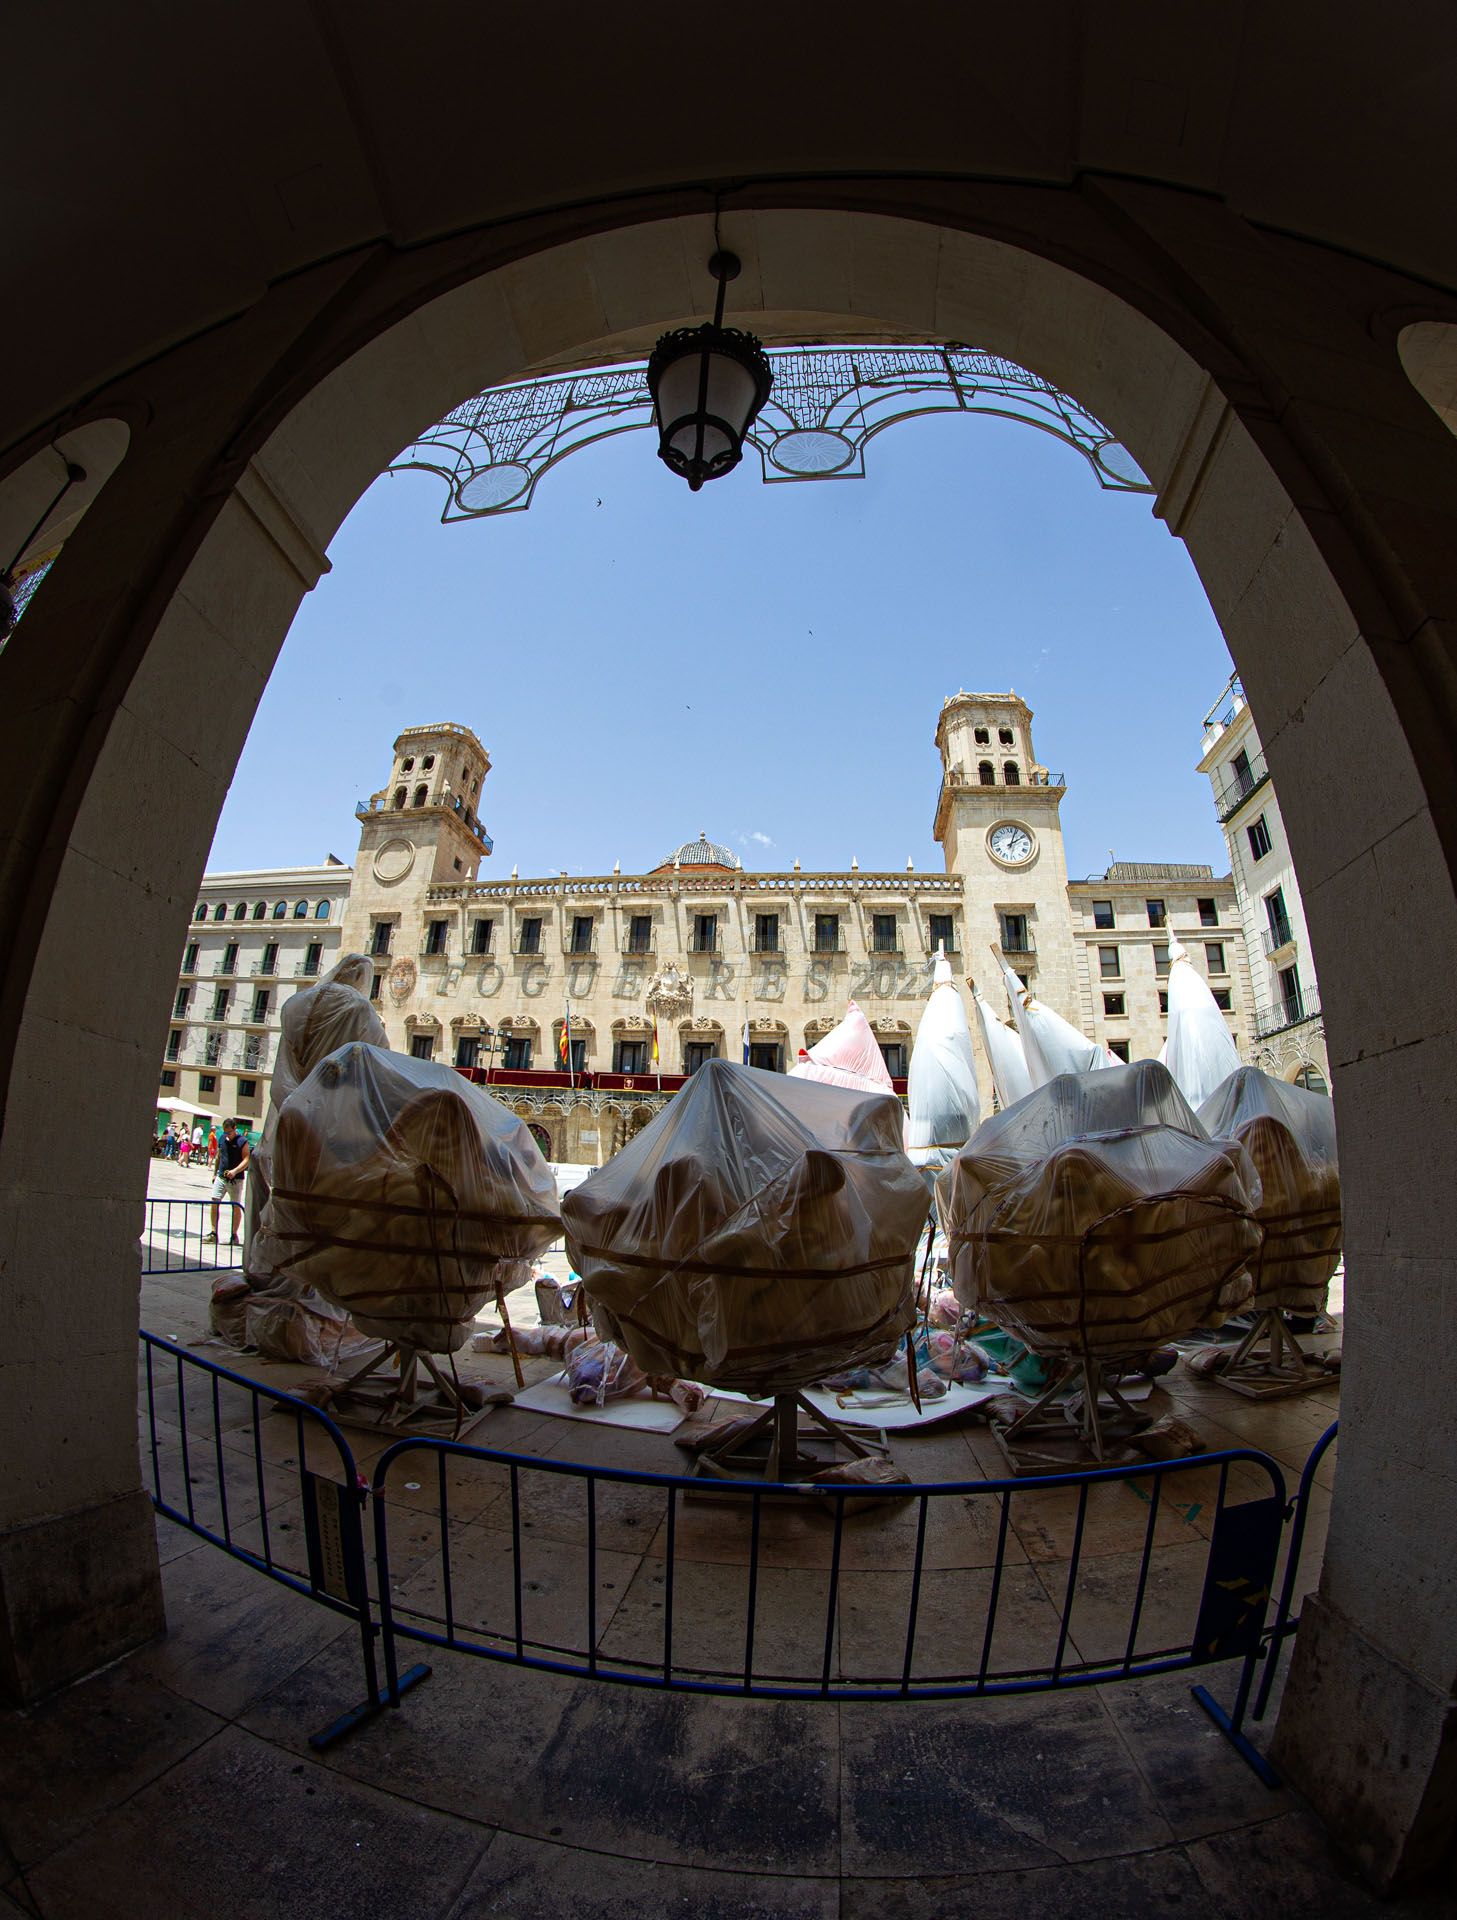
[(184, 1149), (212, 1151), (233, 1158)]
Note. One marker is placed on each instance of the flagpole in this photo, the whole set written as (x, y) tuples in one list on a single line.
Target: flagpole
[(567, 1043)]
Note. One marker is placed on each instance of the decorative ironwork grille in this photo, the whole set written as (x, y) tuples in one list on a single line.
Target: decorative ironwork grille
[(827, 404)]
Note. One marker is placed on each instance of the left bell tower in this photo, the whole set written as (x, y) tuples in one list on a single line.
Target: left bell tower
[(422, 830)]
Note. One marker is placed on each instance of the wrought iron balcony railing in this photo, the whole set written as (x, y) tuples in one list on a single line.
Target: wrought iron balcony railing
[(1291, 1011), (1239, 786), (1276, 937)]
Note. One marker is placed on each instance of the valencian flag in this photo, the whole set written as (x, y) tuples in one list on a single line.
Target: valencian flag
[(655, 1039)]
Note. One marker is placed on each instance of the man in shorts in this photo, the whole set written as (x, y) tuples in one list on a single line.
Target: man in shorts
[(227, 1185)]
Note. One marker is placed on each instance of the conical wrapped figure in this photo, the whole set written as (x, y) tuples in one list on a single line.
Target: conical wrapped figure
[(1199, 1052), (848, 1056), (944, 1108), (1005, 1054), (1290, 1134), (759, 1234), (1098, 1218), (406, 1196), (1052, 1045)]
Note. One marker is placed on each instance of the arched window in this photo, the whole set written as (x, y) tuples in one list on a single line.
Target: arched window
[(280, 909), (1011, 775), (260, 909), (300, 909), (407, 766), (399, 796), (321, 912), (982, 736), (1004, 734), (240, 912), (420, 796), (986, 773), (427, 763), (220, 911), (201, 913)]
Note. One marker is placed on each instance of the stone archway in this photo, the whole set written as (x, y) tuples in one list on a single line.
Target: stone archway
[(1295, 505)]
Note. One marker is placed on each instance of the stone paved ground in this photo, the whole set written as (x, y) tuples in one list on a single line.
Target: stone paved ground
[(180, 1781)]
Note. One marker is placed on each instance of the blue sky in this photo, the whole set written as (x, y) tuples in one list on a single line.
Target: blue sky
[(762, 662)]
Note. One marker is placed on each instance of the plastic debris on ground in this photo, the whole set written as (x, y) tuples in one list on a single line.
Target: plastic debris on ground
[(1199, 1052), (759, 1233), (405, 1195), (1097, 1218), (1290, 1134), (943, 1106)]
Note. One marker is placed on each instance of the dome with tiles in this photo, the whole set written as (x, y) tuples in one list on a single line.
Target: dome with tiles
[(701, 852)]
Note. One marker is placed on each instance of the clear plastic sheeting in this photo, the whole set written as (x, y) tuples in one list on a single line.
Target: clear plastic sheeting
[(406, 1196), (848, 1056), (1199, 1052), (759, 1234), (1005, 1054), (315, 1022), (1051, 1044), (944, 1108), (1097, 1218), (1290, 1134)]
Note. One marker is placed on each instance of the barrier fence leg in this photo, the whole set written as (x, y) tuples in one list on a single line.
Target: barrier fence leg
[(1231, 1724)]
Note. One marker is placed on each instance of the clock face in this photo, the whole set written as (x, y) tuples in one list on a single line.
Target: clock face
[(1010, 844)]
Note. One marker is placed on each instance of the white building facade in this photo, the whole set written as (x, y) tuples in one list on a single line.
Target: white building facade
[(1289, 1036)]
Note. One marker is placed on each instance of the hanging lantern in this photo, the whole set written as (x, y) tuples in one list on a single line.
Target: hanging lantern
[(708, 384)]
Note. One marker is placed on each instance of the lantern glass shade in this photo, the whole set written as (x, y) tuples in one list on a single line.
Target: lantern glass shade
[(708, 384)]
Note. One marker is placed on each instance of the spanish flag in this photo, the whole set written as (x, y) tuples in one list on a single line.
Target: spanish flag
[(655, 1039), (564, 1044)]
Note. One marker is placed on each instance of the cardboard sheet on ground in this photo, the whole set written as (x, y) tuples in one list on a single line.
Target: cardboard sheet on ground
[(638, 1414), (869, 1407)]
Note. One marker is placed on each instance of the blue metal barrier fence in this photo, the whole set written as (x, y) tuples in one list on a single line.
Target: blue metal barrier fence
[(610, 1573)]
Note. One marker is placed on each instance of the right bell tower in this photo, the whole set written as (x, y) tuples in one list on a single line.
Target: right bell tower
[(998, 820)]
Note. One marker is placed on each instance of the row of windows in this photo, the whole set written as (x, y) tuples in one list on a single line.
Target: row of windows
[(630, 1056), (703, 935), (986, 774), (982, 736), (312, 961), (1157, 911), (260, 910), (221, 1001), (208, 1083), (1115, 1005), (1110, 959)]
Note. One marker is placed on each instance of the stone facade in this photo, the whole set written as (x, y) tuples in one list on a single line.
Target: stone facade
[(699, 954), (255, 938), (1288, 1034)]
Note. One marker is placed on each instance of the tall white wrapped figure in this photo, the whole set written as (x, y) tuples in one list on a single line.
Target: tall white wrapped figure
[(944, 1106), (1052, 1045), (1005, 1054), (1200, 1053)]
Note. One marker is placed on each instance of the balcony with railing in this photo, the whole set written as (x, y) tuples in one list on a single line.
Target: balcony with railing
[(1237, 785), (307, 969), (255, 1055), (1290, 1011), (1017, 945), (823, 946), (639, 943), (580, 945), (1276, 937), (767, 943), (705, 940), (226, 966)]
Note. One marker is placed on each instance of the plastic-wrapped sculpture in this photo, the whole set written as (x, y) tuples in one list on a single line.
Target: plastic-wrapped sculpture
[(315, 1022), (1199, 1052), (408, 1198), (1290, 1134), (944, 1108), (848, 1056), (1095, 1220), (1005, 1054), (1051, 1044), (759, 1234)]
